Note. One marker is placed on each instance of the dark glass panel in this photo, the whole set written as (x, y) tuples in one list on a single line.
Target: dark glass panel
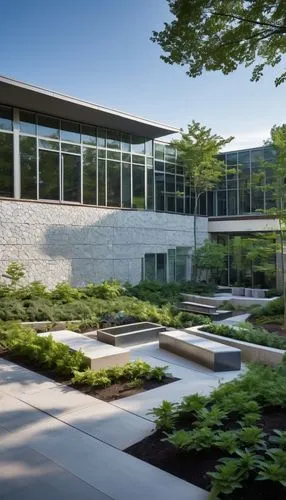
[(150, 188), (244, 201), (6, 165), (138, 145), (28, 160), (138, 173), (89, 176), (114, 155), (113, 139), (70, 131), (159, 151), (244, 158), (160, 166), (161, 267), (27, 122), (139, 160), (88, 135), (71, 148), (71, 175), (232, 202), (231, 158), (172, 264), (49, 175), (149, 148), (170, 183), (126, 185), (126, 157), (159, 186), (257, 158), (48, 127), (221, 202), (170, 154), (202, 208), (6, 118), (101, 137), (257, 199), (179, 194), (181, 263), (43, 144), (101, 153), (101, 182), (150, 266), (113, 184), (170, 167)]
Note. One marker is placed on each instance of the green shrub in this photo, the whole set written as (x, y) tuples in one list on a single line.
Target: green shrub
[(197, 439), (165, 416), (106, 290), (64, 292), (248, 333), (272, 308)]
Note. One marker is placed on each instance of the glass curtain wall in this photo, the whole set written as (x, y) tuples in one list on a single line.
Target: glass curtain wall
[(170, 266), (6, 152)]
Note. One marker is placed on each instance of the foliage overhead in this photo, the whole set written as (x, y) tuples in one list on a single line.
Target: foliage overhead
[(215, 35)]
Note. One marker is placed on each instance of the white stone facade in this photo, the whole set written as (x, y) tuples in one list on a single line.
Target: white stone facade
[(81, 244)]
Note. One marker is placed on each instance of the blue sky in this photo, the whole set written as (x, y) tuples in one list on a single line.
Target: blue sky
[(99, 50)]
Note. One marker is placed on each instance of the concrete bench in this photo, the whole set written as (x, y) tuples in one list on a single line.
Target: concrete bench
[(200, 308), (99, 355), (213, 355)]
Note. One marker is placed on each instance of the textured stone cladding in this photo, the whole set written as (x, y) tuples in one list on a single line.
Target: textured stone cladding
[(84, 244)]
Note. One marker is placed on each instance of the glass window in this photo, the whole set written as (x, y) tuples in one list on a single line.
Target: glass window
[(232, 202), (125, 142), (89, 176), (170, 154), (138, 175), (161, 267), (244, 158), (150, 161), (181, 263), (150, 188), (6, 118), (28, 159), (257, 199), (140, 160), (172, 264), (231, 158), (101, 153), (48, 127), (170, 167), (256, 158), (138, 145), (49, 175), (70, 131), (244, 201), (101, 137), (150, 266), (149, 148), (113, 155), (6, 165), (159, 186), (101, 183), (126, 185), (88, 135), (113, 184), (126, 157), (159, 151), (210, 203), (221, 202), (113, 139), (70, 148), (71, 175), (179, 194), (43, 144), (170, 183), (160, 166), (27, 122)]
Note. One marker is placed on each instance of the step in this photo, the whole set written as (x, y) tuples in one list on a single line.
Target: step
[(100, 355), (196, 307)]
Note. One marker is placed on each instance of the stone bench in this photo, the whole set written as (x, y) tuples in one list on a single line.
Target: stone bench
[(199, 308), (99, 355), (213, 355)]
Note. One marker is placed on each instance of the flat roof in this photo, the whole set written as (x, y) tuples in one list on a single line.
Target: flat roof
[(30, 97)]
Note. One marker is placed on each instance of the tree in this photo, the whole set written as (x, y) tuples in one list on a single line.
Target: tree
[(271, 177), (198, 149), (210, 258), (219, 35)]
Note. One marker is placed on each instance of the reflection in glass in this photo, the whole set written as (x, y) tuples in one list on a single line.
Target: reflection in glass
[(171, 264), (138, 174), (101, 137), (70, 148), (159, 186), (28, 161), (113, 155), (181, 263), (159, 151), (150, 266), (48, 127), (113, 183), (43, 144), (6, 169), (88, 135), (125, 142), (150, 188), (70, 131), (113, 139), (149, 148), (126, 185), (71, 175), (140, 160), (89, 176), (126, 157), (160, 166), (27, 122), (138, 145), (49, 175), (161, 267), (6, 118), (101, 182)]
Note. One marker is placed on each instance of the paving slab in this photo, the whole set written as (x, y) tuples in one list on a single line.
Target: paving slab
[(15, 379), (101, 466)]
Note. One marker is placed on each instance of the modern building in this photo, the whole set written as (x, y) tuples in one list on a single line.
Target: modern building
[(89, 193)]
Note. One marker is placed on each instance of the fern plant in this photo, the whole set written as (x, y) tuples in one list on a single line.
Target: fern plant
[(197, 439), (192, 403), (165, 416), (279, 439), (212, 417), (252, 437), (226, 440), (274, 468)]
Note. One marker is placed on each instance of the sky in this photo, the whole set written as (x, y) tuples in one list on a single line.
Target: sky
[(100, 51)]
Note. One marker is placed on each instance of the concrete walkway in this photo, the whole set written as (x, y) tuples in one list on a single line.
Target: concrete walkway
[(57, 442)]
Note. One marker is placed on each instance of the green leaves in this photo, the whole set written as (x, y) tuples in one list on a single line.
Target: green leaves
[(274, 468), (166, 415), (197, 439), (220, 36)]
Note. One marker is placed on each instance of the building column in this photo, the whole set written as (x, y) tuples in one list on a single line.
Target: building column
[(16, 153)]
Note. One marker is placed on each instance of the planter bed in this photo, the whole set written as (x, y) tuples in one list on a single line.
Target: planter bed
[(111, 393), (193, 466), (131, 334)]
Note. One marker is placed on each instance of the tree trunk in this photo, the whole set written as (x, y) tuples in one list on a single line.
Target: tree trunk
[(194, 270), (283, 272)]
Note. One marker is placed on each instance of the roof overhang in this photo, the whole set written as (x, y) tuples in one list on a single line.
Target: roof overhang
[(29, 97)]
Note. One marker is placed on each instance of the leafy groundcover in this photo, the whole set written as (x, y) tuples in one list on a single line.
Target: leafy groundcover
[(232, 443)]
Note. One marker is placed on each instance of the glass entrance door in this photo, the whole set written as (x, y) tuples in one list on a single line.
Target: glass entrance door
[(71, 178)]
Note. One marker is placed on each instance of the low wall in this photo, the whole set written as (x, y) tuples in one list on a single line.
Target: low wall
[(249, 352)]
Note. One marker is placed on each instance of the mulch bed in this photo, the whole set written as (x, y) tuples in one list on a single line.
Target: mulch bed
[(193, 466), (115, 391)]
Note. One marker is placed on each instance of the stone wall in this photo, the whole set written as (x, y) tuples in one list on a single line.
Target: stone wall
[(84, 244)]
